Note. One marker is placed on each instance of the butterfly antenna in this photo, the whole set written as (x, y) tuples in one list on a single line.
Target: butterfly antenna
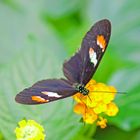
[(111, 92), (89, 98)]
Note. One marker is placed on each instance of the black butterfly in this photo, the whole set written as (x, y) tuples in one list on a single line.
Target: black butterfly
[(78, 70)]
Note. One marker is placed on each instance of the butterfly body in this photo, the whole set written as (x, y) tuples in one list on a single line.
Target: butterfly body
[(78, 70), (81, 88)]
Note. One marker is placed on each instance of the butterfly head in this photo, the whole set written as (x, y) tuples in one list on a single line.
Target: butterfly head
[(81, 88)]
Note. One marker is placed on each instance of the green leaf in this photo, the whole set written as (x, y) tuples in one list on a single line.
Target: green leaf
[(116, 133), (31, 52), (124, 50), (32, 49), (62, 8), (124, 16), (127, 80)]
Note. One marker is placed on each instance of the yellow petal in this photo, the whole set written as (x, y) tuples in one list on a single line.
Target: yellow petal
[(102, 122), (78, 97), (90, 102), (89, 117), (101, 107), (79, 108), (112, 109), (22, 123)]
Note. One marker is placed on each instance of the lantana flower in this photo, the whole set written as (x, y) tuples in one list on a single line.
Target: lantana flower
[(29, 130), (97, 104)]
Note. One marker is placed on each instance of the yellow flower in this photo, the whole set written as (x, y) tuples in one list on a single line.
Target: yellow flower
[(80, 108), (89, 116), (98, 102), (102, 122), (112, 109), (29, 130), (78, 97), (101, 107)]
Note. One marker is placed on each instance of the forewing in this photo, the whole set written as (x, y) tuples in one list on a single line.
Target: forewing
[(45, 91), (81, 67), (93, 47)]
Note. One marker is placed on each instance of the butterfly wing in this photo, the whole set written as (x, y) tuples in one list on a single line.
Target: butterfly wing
[(81, 67), (72, 68), (45, 91)]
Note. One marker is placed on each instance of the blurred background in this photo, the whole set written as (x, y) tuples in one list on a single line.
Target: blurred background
[(35, 39)]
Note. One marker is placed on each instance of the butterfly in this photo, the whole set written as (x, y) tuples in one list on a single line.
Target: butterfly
[(78, 70)]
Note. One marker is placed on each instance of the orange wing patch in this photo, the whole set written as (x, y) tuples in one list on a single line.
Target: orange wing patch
[(101, 42), (39, 99)]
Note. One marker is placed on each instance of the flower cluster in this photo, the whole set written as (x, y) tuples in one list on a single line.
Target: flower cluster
[(98, 103), (29, 130)]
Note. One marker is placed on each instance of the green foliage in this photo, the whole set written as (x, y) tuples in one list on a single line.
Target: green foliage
[(36, 37)]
